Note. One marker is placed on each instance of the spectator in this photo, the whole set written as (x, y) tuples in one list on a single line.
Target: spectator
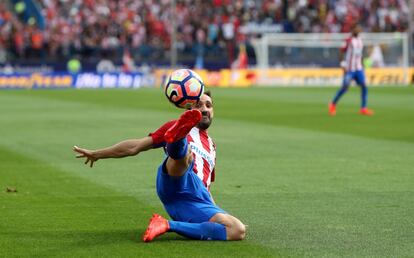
[(211, 28)]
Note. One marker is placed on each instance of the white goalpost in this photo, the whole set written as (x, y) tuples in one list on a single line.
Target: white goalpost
[(321, 50)]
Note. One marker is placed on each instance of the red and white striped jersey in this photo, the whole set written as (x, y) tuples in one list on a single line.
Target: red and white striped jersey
[(353, 54), (202, 147), (204, 154)]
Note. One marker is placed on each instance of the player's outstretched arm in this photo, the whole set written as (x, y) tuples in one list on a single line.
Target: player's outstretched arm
[(122, 149)]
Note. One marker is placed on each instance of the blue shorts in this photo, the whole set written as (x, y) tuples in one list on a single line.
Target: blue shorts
[(358, 76), (185, 198)]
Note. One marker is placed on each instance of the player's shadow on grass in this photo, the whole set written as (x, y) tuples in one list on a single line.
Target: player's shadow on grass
[(90, 238)]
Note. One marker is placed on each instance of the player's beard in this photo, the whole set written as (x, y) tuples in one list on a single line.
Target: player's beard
[(205, 121)]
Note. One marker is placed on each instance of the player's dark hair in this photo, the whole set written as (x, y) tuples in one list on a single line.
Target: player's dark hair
[(208, 93)]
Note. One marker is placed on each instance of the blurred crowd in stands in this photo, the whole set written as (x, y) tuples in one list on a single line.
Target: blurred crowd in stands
[(111, 29)]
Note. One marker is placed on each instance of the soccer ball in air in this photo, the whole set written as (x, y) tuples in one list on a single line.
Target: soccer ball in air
[(184, 88)]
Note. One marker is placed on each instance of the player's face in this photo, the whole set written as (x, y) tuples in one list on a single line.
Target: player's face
[(205, 105)]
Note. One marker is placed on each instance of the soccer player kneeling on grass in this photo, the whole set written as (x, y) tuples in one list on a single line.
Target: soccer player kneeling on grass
[(184, 177)]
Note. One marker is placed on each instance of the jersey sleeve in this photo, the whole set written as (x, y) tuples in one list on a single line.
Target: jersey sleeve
[(158, 135)]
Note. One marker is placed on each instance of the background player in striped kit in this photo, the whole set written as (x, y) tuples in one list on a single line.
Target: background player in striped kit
[(184, 178), (353, 70)]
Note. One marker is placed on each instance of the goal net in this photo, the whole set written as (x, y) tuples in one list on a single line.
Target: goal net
[(321, 50)]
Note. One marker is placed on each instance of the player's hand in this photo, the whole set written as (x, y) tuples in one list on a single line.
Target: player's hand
[(84, 153)]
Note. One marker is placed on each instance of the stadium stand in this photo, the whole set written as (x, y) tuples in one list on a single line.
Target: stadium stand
[(207, 31)]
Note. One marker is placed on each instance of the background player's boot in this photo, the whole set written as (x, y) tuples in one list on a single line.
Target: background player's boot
[(157, 226), (183, 126), (366, 111), (332, 109)]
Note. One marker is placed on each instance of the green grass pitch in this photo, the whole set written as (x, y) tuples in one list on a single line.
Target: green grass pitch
[(306, 184)]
